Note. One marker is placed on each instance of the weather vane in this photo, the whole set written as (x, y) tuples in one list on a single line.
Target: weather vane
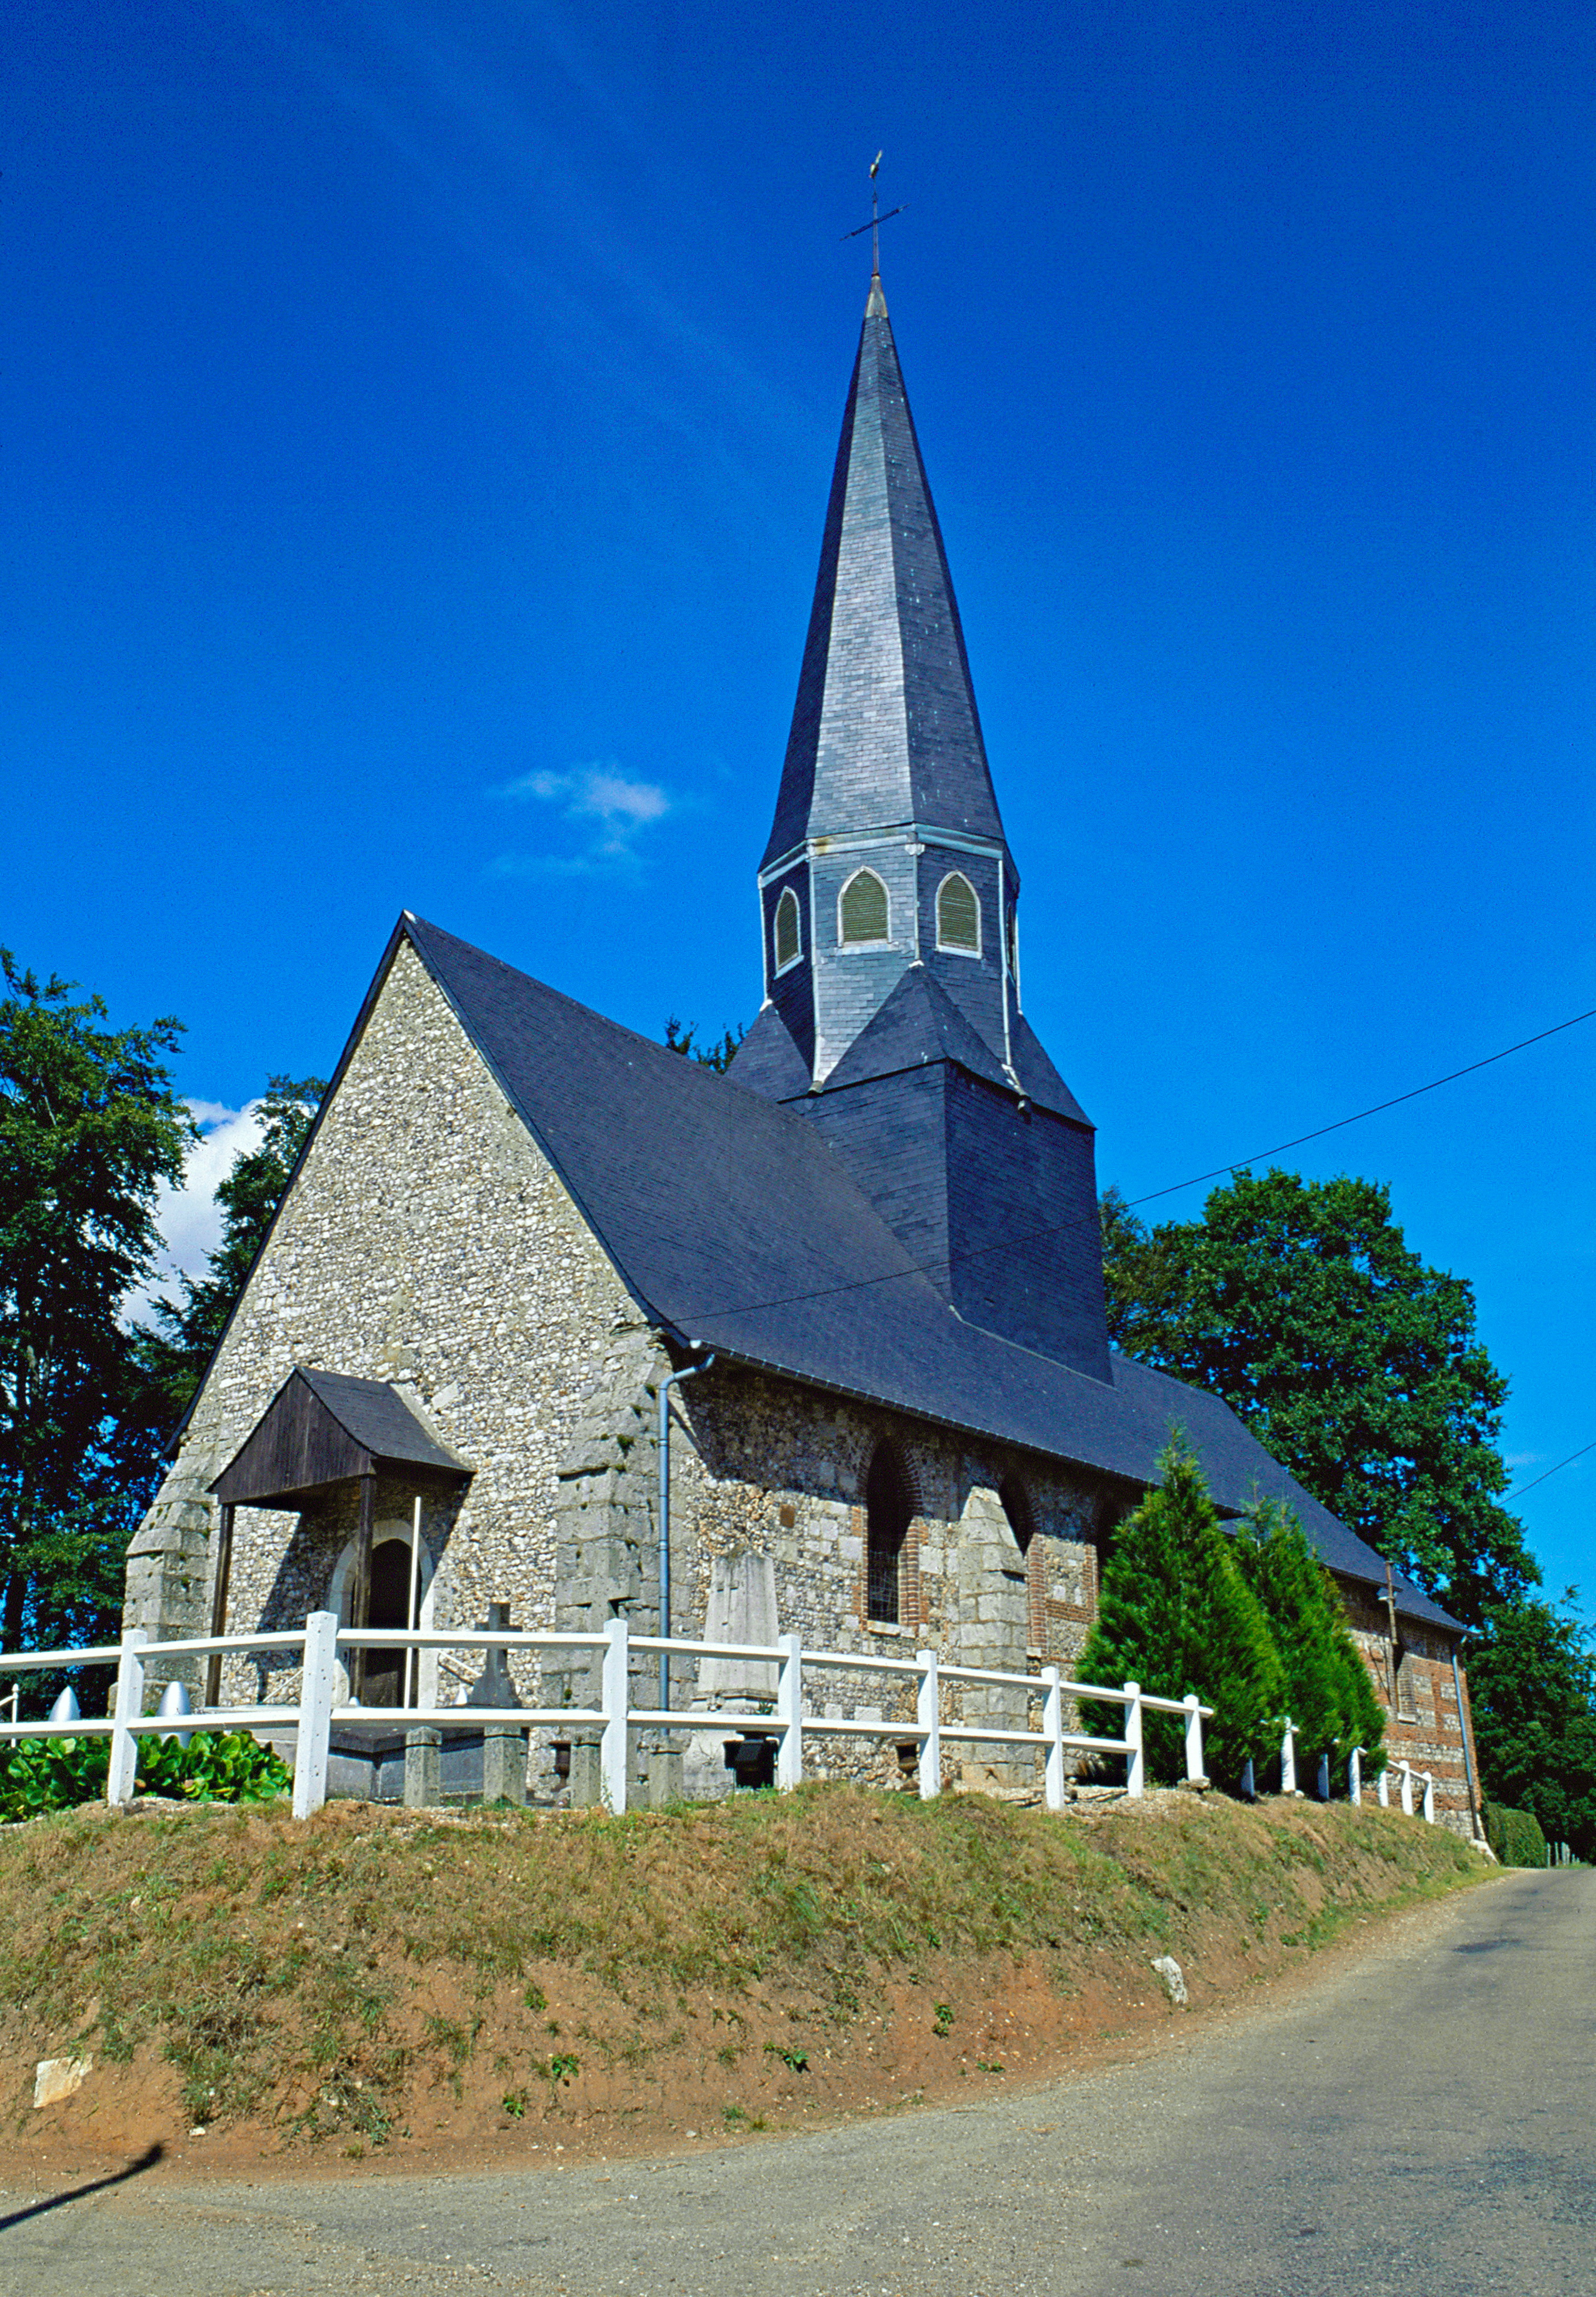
[(876, 219)]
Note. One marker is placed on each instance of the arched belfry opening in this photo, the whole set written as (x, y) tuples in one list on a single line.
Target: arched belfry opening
[(889, 1510)]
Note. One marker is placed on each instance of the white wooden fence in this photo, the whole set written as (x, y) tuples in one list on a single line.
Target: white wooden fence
[(316, 1646)]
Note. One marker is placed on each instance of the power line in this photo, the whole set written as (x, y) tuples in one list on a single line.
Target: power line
[(1451, 1077), (1568, 1462), (1035, 1235)]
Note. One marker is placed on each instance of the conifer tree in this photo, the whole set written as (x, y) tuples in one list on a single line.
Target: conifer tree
[(1175, 1614), (1327, 1693)]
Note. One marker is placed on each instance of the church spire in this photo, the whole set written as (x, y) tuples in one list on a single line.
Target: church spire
[(891, 1014), (886, 730)]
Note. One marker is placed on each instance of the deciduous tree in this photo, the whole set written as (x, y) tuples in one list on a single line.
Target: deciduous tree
[(1532, 1682), (1356, 1364), (90, 1126), (181, 1343)]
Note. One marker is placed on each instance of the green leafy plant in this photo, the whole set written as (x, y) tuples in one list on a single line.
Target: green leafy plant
[(37, 1775), (797, 2061), (941, 2015)]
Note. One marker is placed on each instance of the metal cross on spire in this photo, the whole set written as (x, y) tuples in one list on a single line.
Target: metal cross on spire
[(876, 221)]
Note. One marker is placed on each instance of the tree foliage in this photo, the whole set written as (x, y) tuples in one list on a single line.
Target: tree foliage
[(90, 1126), (1175, 1614), (1356, 1365), (1532, 1682), (1327, 1692), (719, 1054), (180, 1344)]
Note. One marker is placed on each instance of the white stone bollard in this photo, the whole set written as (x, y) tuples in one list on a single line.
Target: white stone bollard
[(928, 1703), (1288, 1760), (1355, 1777), (1382, 1788), (1136, 1769), (1407, 1789), (1429, 1800), (174, 1700), (66, 1708)]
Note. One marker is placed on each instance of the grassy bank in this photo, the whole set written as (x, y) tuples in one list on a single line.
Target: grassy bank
[(382, 1981)]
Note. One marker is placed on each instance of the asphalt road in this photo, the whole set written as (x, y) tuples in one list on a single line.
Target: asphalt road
[(1418, 2122)]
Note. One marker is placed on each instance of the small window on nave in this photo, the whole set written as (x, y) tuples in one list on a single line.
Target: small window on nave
[(958, 915), (789, 947), (888, 1511), (862, 913)]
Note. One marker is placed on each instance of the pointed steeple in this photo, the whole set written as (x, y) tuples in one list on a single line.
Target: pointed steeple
[(891, 1013), (886, 730)]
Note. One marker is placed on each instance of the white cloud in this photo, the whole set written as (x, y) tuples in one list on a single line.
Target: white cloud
[(188, 1217), (601, 800)]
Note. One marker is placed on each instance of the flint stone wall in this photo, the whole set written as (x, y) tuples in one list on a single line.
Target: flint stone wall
[(1427, 1729), (425, 1238)]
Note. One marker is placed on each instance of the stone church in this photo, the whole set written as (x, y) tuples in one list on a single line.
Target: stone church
[(863, 1268)]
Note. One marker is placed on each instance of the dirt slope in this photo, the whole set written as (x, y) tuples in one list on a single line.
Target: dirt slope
[(431, 1989)]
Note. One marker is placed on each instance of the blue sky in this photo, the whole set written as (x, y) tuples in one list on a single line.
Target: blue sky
[(415, 427)]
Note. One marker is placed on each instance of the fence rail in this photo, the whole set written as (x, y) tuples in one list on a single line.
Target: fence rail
[(316, 1713)]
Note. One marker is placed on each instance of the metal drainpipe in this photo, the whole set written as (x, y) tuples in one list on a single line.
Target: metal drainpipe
[(688, 1372), (1476, 1829)]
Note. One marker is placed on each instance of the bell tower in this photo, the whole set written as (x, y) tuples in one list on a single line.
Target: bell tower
[(890, 906)]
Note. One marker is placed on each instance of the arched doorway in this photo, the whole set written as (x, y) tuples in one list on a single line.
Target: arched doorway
[(386, 1673)]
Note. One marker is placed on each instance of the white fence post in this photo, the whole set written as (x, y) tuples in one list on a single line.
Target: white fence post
[(1288, 1760), (1429, 1799), (1407, 1789), (1382, 1787), (789, 1713), (1052, 1723), (121, 1778), (1193, 1738), (1136, 1770), (1355, 1777), (928, 1715), (319, 1681), (616, 1701)]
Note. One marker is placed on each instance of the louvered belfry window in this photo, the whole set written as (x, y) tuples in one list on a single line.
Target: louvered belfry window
[(864, 915), (789, 948), (958, 915), (888, 1511)]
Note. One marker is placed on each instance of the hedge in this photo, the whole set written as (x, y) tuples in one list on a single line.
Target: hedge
[(1515, 1836)]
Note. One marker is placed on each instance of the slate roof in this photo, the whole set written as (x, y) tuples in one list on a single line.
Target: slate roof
[(734, 1225), (322, 1428), (885, 727), (381, 1418)]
